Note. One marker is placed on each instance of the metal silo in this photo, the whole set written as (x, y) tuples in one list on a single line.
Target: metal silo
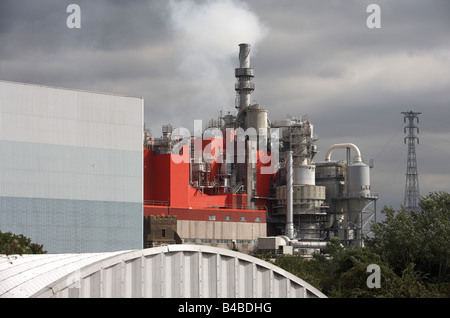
[(256, 118), (304, 174), (358, 180)]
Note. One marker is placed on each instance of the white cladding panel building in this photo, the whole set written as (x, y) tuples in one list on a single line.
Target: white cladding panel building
[(71, 172)]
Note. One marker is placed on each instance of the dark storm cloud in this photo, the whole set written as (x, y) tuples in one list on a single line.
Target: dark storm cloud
[(115, 43), (317, 58), (106, 25), (320, 59)]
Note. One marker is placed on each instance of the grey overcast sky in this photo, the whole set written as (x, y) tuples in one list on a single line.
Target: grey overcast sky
[(314, 58)]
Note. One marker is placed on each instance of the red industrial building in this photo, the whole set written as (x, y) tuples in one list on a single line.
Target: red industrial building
[(208, 211)]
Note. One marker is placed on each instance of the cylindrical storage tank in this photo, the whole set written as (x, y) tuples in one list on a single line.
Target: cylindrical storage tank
[(358, 179), (309, 228), (256, 118), (309, 192), (284, 127), (305, 174)]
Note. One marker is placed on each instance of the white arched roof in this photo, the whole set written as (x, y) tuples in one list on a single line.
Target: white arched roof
[(173, 271)]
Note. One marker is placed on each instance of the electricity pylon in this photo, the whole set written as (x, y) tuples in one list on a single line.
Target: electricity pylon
[(412, 193)]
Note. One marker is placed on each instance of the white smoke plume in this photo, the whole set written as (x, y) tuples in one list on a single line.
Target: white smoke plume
[(207, 35)]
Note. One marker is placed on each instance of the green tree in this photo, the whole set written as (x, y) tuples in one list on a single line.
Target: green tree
[(350, 280), (342, 272), (420, 237), (310, 270), (347, 272), (18, 244), (396, 239), (433, 222)]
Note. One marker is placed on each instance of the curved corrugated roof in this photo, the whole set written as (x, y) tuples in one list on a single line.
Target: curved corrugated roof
[(23, 276), (170, 271)]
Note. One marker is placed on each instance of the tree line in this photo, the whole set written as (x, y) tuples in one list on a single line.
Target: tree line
[(411, 248)]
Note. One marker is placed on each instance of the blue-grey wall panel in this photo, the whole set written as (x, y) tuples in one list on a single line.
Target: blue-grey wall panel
[(74, 226), (68, 172)]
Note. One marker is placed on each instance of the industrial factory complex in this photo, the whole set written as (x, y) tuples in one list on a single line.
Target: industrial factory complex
[(80, 174), (250, 182)]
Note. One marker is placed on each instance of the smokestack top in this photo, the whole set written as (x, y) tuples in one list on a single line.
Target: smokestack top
[(244, 55), (244, 74)]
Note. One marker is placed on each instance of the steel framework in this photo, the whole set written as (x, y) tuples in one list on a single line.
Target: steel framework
[(412, 193)]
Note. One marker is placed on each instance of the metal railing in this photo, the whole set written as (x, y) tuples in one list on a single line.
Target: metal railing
[(156, 203), (207, 205)]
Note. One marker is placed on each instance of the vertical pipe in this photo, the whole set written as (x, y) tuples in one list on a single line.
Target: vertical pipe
[(289, 196), (248, 175)]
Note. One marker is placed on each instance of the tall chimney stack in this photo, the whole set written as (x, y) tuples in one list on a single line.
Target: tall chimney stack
[(244, 74)]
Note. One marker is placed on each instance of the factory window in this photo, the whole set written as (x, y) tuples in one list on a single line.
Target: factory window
[(240, 241), (222, 241), (205, 241), (163, 232), (257, 219), (190, 240), (243, 218), (212, 217), (228, 218)]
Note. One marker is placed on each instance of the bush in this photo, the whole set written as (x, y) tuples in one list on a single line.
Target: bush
[(416, 237), (18, 244), (342, 272)]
